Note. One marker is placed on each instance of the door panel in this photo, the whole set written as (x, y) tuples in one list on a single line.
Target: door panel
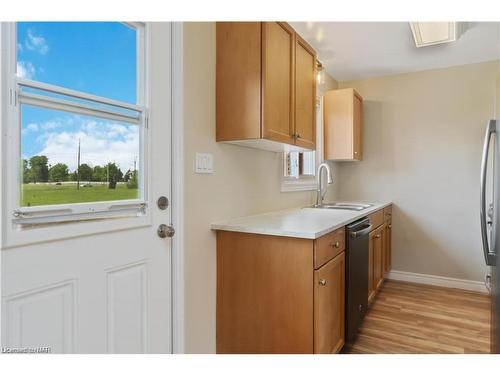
[(55, 302), (278, 80), (126, 309), (495, 274), (387, 247), (357, 129), (305, 94), (371, 287), (329, 306), (378, 258), (107, 292)]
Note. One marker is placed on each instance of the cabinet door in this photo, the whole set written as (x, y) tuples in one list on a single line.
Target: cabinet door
[(329, 306), (388, 247), (371, 286), (305, 94), (378, 266), (342, 118), (357, 128), (238, 80), (278, 72)]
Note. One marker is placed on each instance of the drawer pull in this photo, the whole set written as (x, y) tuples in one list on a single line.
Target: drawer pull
[(322, 282), (336, 244), (377, 236)]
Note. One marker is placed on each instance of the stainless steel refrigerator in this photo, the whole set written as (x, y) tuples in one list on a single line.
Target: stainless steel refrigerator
[(490, 223), (490, 211)]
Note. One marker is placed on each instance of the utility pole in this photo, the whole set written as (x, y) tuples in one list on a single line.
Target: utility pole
[(78, 168)]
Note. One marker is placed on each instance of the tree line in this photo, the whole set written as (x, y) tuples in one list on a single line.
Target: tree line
[(37, 169)]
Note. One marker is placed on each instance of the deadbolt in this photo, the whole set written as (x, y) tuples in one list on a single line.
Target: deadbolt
[(162, 203), (165, 230)]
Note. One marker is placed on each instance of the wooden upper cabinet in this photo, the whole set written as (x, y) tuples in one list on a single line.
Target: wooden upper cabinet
[(329, 306), (343, 110), (238, 80), (265, 86), (278, 81), (305, 94)]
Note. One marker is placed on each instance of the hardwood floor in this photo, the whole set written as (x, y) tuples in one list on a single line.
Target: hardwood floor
[(415, 318)]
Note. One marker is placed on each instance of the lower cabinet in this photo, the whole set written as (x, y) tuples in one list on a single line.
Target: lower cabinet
[(388, 246), (380, 250), (280, 294), (329, 306)]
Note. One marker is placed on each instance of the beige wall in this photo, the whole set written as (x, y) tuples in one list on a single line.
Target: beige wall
[(245, 181), (498, 92), (423, 136)]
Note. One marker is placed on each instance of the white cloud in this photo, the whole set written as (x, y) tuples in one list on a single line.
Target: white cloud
[(25, 69), (36, 43), (32, 126), (101, 142), (50, 125)]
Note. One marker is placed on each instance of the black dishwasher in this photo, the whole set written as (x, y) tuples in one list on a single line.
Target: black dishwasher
[(356, 277)]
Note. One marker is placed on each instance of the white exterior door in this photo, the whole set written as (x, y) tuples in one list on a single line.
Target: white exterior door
[(105, 285)]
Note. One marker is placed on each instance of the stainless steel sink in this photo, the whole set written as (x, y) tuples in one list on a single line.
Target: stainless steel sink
[(343, 206)]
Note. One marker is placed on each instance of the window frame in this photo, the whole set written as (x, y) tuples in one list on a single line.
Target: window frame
[(16, 218), (306, 183)]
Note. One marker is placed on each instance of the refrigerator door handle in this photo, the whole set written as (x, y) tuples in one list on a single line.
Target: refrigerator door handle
[(489, 256)]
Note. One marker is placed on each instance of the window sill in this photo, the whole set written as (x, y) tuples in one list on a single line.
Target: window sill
[(305, 184)]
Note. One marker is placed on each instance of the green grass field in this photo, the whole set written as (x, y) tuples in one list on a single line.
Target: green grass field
[(45, 194)]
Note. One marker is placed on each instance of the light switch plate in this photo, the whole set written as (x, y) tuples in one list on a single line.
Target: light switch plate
[(204, 163)]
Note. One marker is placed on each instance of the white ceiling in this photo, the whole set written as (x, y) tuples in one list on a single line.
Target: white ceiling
[(358, 50)]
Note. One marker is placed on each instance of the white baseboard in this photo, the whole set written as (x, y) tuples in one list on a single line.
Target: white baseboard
[(447, 282)]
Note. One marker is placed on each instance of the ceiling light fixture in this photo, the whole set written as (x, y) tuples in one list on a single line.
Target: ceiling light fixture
[(431, 33), (320, 73)]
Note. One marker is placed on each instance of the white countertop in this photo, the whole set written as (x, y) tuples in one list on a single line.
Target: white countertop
[(308, 223)]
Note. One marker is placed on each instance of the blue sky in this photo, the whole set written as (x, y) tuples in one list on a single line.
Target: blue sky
[(93, 57)]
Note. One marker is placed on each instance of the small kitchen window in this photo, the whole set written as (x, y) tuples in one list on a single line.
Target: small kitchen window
[(78, 121), (299, 168)]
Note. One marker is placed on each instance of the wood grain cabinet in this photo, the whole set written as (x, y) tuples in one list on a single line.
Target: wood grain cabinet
[(380, 250), (329, 306), (387, 240), (271, 298), (266, 87), (342, 119)]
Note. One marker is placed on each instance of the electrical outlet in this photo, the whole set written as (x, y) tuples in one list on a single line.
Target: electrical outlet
[(204, 163)]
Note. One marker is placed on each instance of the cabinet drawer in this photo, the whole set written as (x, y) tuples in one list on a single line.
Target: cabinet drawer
[(328, 247), (387, 213), (376, 219)]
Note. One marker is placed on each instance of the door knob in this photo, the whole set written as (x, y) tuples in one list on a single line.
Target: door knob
[(165, 230)]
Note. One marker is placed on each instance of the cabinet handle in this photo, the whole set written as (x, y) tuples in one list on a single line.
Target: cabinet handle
[(297, 135), (336, 244), (322, 282), (377, 236), (390, 226)]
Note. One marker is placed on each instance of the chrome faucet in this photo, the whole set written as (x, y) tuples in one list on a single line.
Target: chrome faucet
[(320, 194)]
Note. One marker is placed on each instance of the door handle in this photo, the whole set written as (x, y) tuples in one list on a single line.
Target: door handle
[(489, 256), (165, 230), (361, 232), (487, 282)]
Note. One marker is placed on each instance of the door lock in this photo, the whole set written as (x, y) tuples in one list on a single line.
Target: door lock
[(165, 230), (162, 203)]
